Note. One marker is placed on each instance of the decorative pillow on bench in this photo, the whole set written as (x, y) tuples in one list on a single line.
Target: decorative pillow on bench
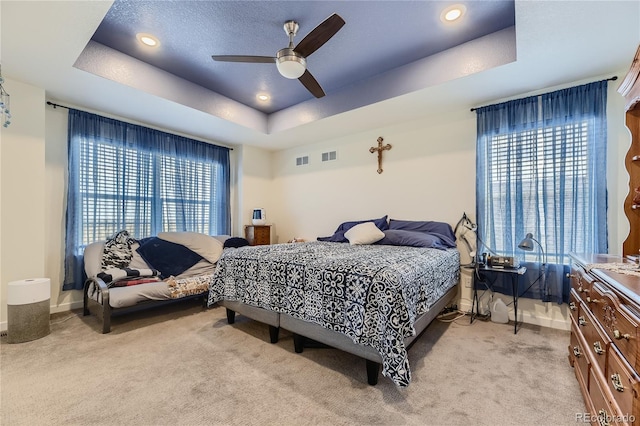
[(113, 276), (169, 258), (117, 251)]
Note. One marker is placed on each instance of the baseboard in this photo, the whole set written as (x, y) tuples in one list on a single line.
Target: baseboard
[(527, 318), (64, 307), (558, 324)]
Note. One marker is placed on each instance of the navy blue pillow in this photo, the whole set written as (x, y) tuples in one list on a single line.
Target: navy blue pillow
[(439, 229), (235, 242), (167, 257), (400, 237), (338, 235)]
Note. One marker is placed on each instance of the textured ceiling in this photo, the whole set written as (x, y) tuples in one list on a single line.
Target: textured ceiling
[(379, 36)]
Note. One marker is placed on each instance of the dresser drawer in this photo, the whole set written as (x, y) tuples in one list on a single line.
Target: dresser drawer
[(577, 356), (574, 304), (258, 235), (618, 322), (596, 342), (623, 382), (604, 413), (581, 282)]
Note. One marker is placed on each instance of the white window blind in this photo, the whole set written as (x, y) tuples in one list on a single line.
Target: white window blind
[(541, 171), (142, 192)]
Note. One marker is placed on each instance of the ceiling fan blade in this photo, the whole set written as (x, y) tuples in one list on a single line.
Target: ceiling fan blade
[(320, 35), (241, 58), (311, 84)]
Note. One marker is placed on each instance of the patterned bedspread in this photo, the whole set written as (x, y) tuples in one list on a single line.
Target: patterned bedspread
[(371, 293)]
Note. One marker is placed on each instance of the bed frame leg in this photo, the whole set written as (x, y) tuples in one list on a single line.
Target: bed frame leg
[(231, 316), (273, 333), (298, 343), (373, 369)]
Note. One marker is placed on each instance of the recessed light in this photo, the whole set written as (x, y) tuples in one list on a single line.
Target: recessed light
[(262, 97), (148, 40), (453, 13)]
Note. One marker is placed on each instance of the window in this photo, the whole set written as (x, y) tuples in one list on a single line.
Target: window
[(527, 164), (123, 176), (541, 168)]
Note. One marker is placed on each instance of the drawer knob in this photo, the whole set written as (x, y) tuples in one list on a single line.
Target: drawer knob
[(597, 348), (572, 306), (580, 289), (603, 417), (576, 352), (616, 381), (582, 321), (618, 335)]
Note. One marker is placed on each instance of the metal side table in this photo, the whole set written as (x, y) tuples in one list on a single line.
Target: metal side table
[(515, 278)]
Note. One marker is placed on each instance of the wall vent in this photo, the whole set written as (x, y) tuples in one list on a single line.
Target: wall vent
[(330, 156), (302, 161)]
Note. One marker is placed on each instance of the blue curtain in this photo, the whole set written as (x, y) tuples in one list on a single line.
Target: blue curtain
[(541, 168), (125, 176)]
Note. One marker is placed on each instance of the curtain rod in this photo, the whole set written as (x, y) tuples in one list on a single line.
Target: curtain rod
[(66, 107), (56, 105), (614, 78)]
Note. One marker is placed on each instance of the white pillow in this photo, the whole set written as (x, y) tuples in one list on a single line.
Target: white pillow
[(364, 233), (93, 258), (205, 245)]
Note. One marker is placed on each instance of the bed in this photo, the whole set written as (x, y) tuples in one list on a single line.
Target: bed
[(368, 299)]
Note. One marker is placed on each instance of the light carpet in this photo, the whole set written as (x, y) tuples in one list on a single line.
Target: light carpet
[(182, 365)]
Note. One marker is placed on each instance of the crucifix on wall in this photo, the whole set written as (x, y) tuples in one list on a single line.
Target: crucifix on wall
[(380, 148)]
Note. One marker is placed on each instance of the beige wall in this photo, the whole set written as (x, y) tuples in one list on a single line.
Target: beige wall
[(22, 190), (428, 174), (255, 189)]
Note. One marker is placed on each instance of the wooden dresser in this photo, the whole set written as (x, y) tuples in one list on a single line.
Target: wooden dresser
[(258, 235), (630, 89), (604, 350)]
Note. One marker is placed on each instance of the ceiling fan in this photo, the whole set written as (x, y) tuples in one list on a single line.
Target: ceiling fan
[(292, 61)]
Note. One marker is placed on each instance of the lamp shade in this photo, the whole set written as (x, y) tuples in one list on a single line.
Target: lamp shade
[(527, 243), (290, 64)]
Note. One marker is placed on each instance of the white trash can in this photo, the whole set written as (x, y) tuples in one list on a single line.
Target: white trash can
[(28, 305)]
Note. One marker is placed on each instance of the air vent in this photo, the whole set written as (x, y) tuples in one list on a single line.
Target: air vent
[(330, 156), (302, 161)]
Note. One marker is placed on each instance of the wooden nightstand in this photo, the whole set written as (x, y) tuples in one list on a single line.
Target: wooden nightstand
[(258, 235)]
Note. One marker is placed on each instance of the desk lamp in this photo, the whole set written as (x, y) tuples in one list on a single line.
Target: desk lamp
[(527, 245)]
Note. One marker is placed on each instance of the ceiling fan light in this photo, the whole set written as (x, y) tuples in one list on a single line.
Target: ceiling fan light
[(290, 65)]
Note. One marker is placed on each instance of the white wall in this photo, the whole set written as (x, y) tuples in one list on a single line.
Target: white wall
[(22, 190)]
